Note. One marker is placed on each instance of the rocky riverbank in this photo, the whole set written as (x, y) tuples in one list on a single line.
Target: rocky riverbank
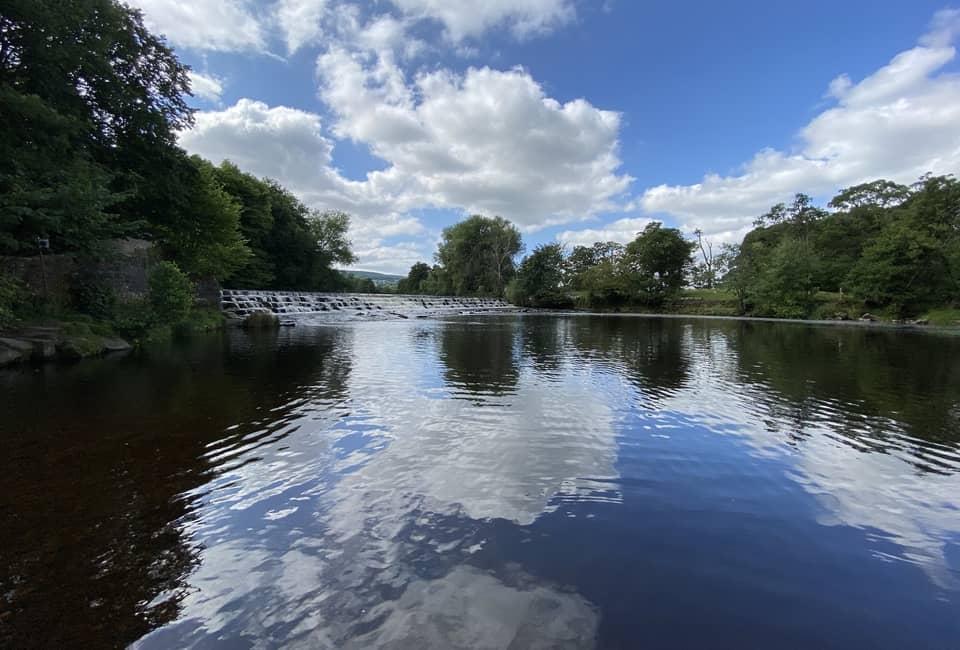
[(39, 344)]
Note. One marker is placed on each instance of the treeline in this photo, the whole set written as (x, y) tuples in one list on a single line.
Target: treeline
[(882, 246), (90, 104), (889, 246)]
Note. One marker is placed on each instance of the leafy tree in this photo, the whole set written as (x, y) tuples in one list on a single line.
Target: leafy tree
[(656, 263), (87, 94), (414, 282), (172, 294), (539, 281), (328, 231), (799, 217), (256, 225), (786, 284), (437, 283), (912, 263), (584, 258), (478, 255), (876, 194), (200, 227)]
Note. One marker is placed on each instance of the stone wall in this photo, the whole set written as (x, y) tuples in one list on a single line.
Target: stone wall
[(124, 268)]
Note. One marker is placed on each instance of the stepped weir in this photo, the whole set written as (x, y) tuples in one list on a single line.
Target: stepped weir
[(238, 303)]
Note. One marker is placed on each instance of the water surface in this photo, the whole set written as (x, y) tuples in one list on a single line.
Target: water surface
[(492, 482)]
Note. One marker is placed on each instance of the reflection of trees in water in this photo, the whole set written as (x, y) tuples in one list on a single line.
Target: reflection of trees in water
[(654, 351), (480, 359), (97, 460), (909, 378), (544, 341)]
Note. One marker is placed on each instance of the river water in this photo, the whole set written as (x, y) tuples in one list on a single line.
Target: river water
[(516, 481)]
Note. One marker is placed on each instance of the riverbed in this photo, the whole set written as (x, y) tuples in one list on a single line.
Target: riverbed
[(521, 481)]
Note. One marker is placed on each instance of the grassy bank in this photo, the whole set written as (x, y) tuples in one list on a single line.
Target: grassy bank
[(827, 306)]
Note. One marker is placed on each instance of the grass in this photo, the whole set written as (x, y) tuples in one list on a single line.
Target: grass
[(942, 316)]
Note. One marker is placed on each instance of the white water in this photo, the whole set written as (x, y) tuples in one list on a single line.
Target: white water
[(240, 303)]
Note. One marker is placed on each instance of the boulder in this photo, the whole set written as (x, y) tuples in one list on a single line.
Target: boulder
[(14, 351), (920, 321), (868, 318), (116, 345), (841, 315)]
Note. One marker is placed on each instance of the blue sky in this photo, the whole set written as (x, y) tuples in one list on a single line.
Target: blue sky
[(576, 120)]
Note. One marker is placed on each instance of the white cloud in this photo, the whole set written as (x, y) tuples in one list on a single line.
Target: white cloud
[(301, 21), (897, 123), (288, 145), (622, 231), (206, 87), (217, 25), (463, 19), (488, 141)]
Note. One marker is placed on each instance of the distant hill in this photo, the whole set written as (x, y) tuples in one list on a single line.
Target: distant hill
[(379, 278)]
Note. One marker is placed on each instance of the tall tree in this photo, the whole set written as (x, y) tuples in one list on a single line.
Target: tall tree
[(540, 279), (93, 94), (478, 255), (414, 282), (657, 262)]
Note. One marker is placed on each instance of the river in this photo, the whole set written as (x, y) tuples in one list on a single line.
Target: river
[(514, 481)]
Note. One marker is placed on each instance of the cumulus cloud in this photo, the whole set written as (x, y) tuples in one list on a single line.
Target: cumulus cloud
[(898, 123), (288, 145), (487, 141), (205, 86), (622, 231), (463, 19), (216, 25), (301, 21)]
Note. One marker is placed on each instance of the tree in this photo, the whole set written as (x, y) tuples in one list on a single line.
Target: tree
[(656, 263), (329, 234), (786, 285), (912, 263), (799, 217), (256, 225), (540, 279), (414, 282), (584, 258), (87, 95), (704, 274), (878, 194), (478, 255), (200, 229)]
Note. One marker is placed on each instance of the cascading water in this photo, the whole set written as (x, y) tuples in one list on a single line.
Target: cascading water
[(241, 302)]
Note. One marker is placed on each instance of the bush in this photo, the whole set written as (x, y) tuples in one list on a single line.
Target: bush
[(92, 296), (12, 297), (133, 319), (172, 294)]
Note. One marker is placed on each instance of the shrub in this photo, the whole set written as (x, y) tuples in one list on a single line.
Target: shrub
[(12, 297), (172, 294), (92, 296)]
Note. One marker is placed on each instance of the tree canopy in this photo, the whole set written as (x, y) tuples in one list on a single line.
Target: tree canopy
[(90, 105)]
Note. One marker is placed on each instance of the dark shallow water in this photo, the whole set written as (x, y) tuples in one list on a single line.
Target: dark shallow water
[(499, 482)]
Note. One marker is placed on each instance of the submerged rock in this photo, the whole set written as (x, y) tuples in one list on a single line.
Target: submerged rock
[(14, 351), (261, 320)]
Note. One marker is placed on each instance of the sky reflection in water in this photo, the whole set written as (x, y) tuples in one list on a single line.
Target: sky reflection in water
[(535, 481)]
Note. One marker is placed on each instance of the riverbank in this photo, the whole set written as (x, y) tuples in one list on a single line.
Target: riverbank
[(829, 307), (71, 337)]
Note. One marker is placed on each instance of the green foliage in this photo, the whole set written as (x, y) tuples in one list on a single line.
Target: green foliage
[(415, 280), (786, 285), (540, 279), (92, 296), (656, 264), (477, 255), (87, 95), (12, 297), (172, 294), (200, 227)]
